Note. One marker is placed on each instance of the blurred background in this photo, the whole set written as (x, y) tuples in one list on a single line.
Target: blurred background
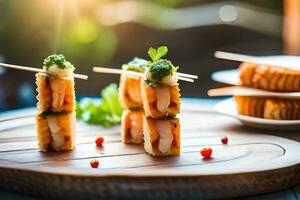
[(111, 32)]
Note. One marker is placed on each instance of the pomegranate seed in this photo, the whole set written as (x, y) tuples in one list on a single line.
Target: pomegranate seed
[(94, 163), (206, 152), (224, 140), (99, 141)]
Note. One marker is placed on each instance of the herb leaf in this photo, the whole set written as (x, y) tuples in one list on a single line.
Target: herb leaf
[(106, 113), (58, 60), (158, 53), (136, 64)]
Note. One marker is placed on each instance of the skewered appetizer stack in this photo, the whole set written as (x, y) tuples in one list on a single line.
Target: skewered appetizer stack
[(131, 101), (149, 95), (271, 79), (161, 102), (56, 117)]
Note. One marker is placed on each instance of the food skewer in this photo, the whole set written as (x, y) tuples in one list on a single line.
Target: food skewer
[(32, 69), (256, 60), (138, 74), (56, 116), (244, 91), (161, 102), (131, 101)]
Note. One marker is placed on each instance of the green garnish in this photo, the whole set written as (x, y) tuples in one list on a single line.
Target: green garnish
[(159, 68), (106, 113), (136, 64), (50, 112), (156, 54), (58, 60)]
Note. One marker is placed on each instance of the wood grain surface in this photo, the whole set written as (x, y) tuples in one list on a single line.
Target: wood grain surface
[(254, 161)]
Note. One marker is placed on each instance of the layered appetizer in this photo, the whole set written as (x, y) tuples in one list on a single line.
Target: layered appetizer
[(271, 79), (56, 117), (161, 101), (131, 101)]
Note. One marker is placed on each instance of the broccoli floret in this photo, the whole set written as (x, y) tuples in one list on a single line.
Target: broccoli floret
[(160, 69), (58, 60), (137, 64)]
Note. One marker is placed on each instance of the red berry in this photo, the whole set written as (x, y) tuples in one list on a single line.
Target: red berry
[(99, 141), (224, 140), (206, 152), (94, 163)]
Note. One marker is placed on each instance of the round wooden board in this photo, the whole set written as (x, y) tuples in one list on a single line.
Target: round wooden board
[(251, 163)]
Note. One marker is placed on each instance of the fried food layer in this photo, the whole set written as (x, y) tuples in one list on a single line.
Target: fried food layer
[(268, 108), (150, 101), (269, 78), (152, 137), (55, 94), (62, 135), (132, 126), (130, 92)]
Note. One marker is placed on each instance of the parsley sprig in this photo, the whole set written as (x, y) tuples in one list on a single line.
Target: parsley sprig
[(58, 60), (160, 68)]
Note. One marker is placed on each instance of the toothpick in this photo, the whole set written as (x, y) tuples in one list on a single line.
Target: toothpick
[(256, 60), (138, 74), (244, 91), (32, 69)]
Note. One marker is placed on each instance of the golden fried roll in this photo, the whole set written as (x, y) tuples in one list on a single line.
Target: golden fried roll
[(250, 106), (161, 100), (55, 94), (130, 92), (56, 131), (132, 127), (269, 78), (246, 73), (282, 109), (162, 136)]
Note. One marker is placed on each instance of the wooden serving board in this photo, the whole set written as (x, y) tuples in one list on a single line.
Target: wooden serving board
[(253, 162)]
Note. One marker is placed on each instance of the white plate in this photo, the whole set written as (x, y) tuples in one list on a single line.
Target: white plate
[(228, 107), (232, 76)]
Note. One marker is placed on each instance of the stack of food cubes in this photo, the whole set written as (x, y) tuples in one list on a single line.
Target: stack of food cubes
[(161, 102), (56, 117), (131, 101), (272, 79)]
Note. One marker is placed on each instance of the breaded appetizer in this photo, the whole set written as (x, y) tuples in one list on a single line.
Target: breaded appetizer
[(268, 108), (282, 109), (161, 101), (162, 136), (132, 126), (250, 106), (130, 88), (56, 117), (160, 91), (269, 78)]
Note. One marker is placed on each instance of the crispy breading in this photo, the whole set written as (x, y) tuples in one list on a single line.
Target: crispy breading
[(126, 84), (66, 122), (47, 96), (150, 101), (269, 78), (152, 136), (130, 117), (268, 108)]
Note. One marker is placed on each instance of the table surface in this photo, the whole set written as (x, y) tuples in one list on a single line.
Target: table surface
[(291, 193)]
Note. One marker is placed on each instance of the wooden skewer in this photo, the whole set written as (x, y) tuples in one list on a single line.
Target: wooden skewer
[(244, 91), (32, 69), (120, 71), (256, 60), (186, 75), (116, 71)]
